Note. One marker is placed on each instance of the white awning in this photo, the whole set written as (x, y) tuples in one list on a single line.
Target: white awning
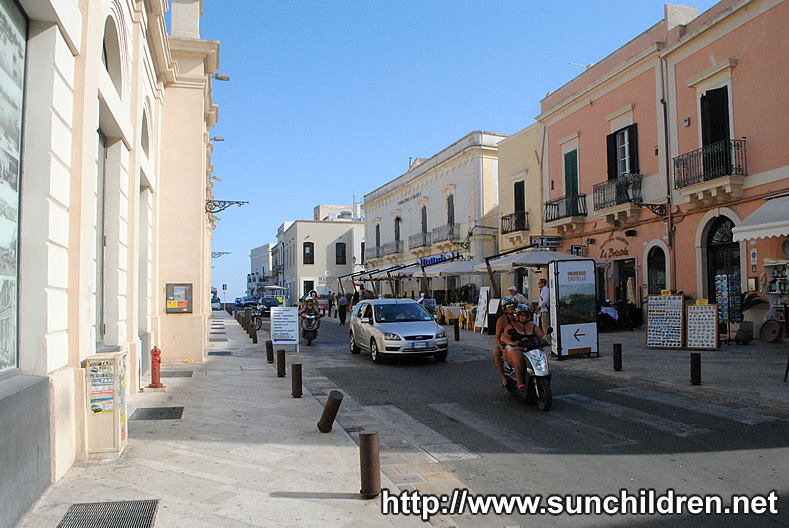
[(451, 268), (527, 259), (769, 220)]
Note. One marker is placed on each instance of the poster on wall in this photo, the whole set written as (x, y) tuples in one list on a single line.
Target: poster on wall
[(179, 298), (13, 36), (664, 321), (573, 307)]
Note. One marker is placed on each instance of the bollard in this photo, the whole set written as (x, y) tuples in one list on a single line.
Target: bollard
[(695, 368), (295, 380), (253, 334), (269, 351), (617, 356), (370, 464), (456, 324), (280, 363), (156, 369), (330, 411)]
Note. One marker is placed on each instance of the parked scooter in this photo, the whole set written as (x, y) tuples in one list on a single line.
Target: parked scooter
[(310, 322), (538, 382)]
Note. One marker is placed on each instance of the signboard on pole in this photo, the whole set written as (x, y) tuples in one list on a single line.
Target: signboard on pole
[(573, 307), (284, 325), (481, 320)]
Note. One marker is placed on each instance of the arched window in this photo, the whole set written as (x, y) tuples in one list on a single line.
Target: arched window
[(723, 254), (111, 55), (144, 136), (656, 270), (339, 253), (424, 219), (308, 253), (397, 229)]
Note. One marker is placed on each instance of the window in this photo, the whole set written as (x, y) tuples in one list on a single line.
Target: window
[(378, 235), (623, 152), (424, 219), (101, 239), (520, 197), (339, 248), (397, 229), (451, 209), (571, 173), (309, 253)]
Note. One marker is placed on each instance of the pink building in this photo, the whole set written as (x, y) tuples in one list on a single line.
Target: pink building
[(655, 157)]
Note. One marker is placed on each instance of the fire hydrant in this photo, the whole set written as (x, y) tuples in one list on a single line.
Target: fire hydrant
[(156, 368)]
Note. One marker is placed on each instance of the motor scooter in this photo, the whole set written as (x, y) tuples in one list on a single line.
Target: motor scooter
[(538, 375), (310, 322)]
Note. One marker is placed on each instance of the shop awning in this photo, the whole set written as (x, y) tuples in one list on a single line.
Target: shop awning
[(451, 268), (527, 259), (769, 220)]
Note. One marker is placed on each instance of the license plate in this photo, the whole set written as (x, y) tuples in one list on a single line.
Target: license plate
[(419, 345)]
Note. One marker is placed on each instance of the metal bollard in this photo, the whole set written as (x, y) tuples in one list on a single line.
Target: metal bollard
[(617, 356), (280, 363), (370, 464), (695, 368), (330, 411), (456, 324), (269, 351), (253, 333), (295, 380)]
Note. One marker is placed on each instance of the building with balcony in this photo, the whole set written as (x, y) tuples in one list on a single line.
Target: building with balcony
[(103, 181), (654, 155), (447, 204)]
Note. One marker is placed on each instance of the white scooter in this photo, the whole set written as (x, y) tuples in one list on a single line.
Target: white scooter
[(538, 382)]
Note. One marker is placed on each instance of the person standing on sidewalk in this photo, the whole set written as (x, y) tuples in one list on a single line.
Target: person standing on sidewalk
[(545, 305), (342, 308), (519, 297)]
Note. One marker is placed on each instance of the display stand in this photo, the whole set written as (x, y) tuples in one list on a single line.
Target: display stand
[(702, 327), (727, 296), (665, 317)]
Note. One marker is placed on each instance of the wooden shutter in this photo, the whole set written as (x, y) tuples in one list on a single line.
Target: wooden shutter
[(632, 150), (613, 165)]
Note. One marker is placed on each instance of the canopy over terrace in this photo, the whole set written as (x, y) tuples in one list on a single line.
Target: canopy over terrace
[(769, 220), (530, 258), (452, 268)]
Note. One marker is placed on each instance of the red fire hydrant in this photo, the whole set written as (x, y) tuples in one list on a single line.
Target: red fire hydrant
[(156, 369)]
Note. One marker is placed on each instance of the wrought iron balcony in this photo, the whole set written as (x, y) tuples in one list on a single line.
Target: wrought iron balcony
[(392, 248), (626, 188), (514, 222), (419, 240), (724, 158), (373, 252), (565, 207), (446, 232)]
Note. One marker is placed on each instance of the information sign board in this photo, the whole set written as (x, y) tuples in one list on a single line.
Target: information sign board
[(702, 327), (664, 321), (573, 305), (284, 325)]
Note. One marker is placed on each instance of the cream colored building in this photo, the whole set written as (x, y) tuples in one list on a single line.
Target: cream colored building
[(520, 201), (447, 204), (103, 182), (259, 270)]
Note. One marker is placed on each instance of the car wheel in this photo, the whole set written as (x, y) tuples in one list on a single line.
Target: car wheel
[(354, 348), (374, 353), (440, 356)]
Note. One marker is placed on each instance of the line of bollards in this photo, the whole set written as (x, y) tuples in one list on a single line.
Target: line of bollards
[(695, 364)]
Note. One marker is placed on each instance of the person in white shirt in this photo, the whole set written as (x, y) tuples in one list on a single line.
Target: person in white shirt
[(545, 305), (519, 297)]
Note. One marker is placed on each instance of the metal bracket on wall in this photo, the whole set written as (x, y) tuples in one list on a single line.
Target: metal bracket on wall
[(658, 209), (215, 206)]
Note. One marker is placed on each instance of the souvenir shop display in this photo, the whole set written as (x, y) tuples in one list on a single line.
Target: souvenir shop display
[(665, 317), (728, 297), (702, 327)]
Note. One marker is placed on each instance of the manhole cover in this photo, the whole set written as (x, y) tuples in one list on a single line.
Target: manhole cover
[(121, 514), (157, 413), (448, 451), (177, 373)]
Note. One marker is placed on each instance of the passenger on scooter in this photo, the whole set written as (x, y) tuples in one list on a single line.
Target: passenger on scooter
[(518, 331), (508, 305), (309, 309)]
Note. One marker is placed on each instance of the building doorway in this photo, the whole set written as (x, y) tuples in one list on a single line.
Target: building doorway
[(625, 281), (723, 254), (656, 270)]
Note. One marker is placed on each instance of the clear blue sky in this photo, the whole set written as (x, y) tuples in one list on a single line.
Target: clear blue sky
[(331, 98)]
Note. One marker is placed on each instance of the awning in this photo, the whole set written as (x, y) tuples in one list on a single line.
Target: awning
[(451, 268), (769, 220), (527, 259)]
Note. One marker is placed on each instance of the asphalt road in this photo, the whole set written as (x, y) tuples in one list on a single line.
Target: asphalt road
[(602, 435)]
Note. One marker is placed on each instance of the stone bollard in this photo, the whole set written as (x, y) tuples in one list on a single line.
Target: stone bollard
[(269, 351), (330, 411), (695, 368), (456, 324), (253, 334), (617, 356), (295, 380), (370, 463), (280, 363)]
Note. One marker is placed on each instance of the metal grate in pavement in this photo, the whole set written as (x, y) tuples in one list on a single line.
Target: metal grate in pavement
[(177, 373), (219, 352), (217, 340), (448, 451), (157, 413), (120, 514)]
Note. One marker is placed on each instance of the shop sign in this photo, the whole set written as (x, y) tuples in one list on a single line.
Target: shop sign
[(438, 258), (608, 252)]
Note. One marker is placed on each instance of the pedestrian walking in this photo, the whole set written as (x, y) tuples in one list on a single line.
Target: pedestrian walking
[(519, 297), (545, 305), (342, 308)]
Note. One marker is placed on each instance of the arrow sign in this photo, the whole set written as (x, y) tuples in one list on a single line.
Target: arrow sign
[(576, 334)]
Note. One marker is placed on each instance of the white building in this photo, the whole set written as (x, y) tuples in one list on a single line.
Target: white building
[(443, 205), (103, 186), (260, 271)]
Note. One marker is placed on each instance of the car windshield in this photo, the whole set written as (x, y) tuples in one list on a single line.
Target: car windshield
[(269, 302), (397, 313)]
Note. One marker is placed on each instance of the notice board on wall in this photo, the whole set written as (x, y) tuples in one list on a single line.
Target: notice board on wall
[(702, 327), (665, 317)]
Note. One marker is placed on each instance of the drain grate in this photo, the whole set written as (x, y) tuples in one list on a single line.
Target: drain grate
[(120, 514), (217, 340), (448, 451), (177, 373), (221, 352), (157, 413)]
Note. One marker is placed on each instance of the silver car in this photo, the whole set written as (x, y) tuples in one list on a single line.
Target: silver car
[(396, 326)]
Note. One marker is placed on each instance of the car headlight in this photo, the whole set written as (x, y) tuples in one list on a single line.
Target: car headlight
[(389, 336), (441, 333)]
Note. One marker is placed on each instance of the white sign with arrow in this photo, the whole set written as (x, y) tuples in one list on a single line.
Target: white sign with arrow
[(573, 307)]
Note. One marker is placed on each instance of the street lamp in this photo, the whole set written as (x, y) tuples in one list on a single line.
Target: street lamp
[(217, 138), (220, 76)]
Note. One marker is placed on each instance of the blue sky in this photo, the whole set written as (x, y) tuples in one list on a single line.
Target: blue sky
[(331, 98)]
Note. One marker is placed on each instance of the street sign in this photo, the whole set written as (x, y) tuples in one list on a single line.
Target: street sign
[(284, 325), (573, 307), (546, 241), (224, 287)]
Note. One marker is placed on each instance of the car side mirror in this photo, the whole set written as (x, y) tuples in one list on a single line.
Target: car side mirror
[(365, 320)]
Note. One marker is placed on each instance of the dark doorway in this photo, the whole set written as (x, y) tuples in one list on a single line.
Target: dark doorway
[(656, 270), (723, 255), (715, 133), (625, 281)]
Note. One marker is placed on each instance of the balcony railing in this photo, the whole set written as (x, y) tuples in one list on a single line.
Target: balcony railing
[(565, 207), (392, 248), (514, 222), (626, 188), (445, 232), (724, 158), (419, 240), (373, 252)]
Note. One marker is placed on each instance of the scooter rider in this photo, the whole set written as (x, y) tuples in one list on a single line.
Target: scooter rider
[(309, 309), (521, 329), (508, 305)]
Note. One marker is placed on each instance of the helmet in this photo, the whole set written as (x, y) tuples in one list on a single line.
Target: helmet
[(521, 308), (309, 300), (509, 300)]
